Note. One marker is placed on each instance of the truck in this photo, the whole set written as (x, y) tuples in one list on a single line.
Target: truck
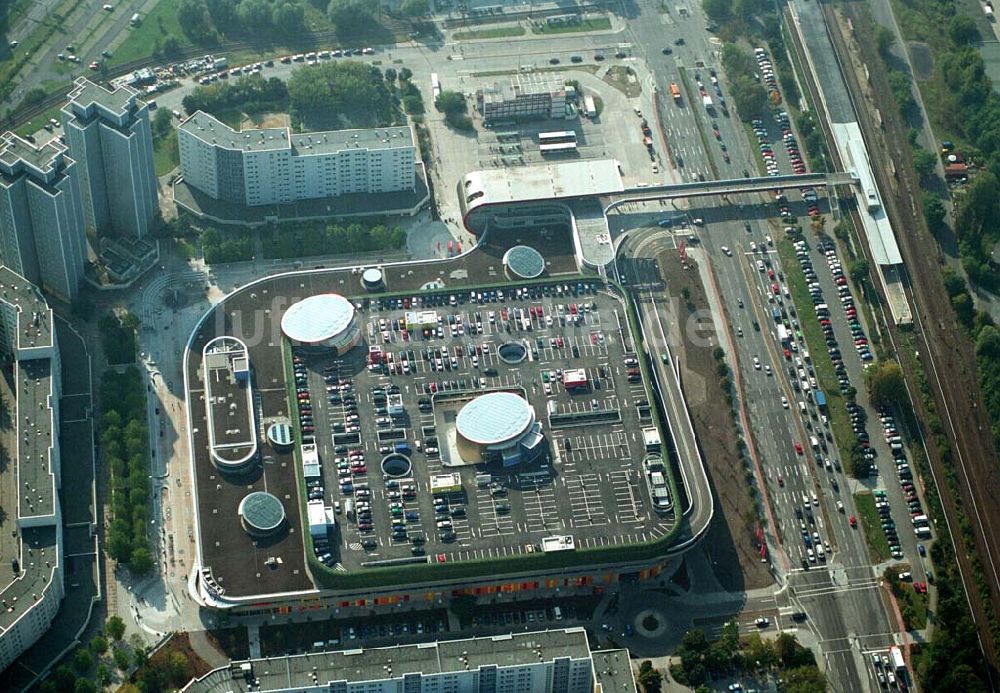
[(707, 101), (136, 20), (896, 658), (783, 337), (220, 63), (588, 102), (820, 399), (675, 92)]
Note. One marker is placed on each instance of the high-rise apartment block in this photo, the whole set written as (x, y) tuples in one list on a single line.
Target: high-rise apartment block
[(109, 135), (42, 232), (275, 166)]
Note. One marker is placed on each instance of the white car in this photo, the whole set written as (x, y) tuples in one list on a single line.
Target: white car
[(756, 363), (762, 622), (784, 402), (769, 240), (760, 265), (727, 250)]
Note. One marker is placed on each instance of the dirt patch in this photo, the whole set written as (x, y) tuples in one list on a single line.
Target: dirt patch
[(732, 535), (921, 58), (233, 642), (266, 119)]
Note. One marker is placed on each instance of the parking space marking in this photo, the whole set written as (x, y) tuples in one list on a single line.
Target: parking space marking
[(585, 501)]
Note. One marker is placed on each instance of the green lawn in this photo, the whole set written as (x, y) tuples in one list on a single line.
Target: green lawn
[(496, 32), (159, 23), (872, 527), (816, 341), (594, 24), (37, 122), (165, 154)]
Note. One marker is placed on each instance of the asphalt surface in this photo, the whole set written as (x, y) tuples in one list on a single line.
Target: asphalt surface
[(842, 595)]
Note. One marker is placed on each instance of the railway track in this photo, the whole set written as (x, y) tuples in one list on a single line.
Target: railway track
[(945, 352)]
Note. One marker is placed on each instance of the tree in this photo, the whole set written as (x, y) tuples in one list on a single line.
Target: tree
[(114, 627), (962, 29), (750, 96), (195, 21), (141, 562), (84, 686), (886, 384), (64, 679), (649, 678), (885, 40), (415, 8), (162, 124), (859, 270), (288, 18), (405, 74), (803, 680), (934, 211), (718, 10), (451, 102), (737, 61), (965, 310), (924, 163), (121, 657), (177, 668), (351, 17), (98, 645), (82, 661), (104, 675)]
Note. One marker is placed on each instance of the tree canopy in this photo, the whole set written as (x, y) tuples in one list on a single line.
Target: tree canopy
[(341, 94), (886, 384), (352, 17)]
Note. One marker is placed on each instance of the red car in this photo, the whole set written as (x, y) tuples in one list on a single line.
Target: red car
[(920, 587), (775, 289), (770, 272), (853, 521), (798, 447)]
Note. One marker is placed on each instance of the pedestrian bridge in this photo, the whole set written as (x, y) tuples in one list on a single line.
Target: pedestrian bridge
[(728, 187)]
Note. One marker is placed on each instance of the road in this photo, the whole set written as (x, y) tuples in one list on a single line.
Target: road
[(88, 28), (842, 597)]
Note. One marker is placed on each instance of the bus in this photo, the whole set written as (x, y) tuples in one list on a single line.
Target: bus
[(558, 137), (435, 85), (557, 148)]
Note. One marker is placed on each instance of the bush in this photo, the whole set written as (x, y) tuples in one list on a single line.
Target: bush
[(251, 93), (226, 246)]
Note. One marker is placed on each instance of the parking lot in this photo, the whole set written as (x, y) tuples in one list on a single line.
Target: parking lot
[(382, 398)]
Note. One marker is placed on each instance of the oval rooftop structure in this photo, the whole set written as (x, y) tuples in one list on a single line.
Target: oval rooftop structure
[(318, 318), (495, 418)]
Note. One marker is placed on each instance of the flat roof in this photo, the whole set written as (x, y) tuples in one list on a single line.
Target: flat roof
[(317, 318), (36, 492), (881, 238), (34, 318), (38, 555), (231, 419), (15, 153), (552, 181), (262, 511), (209, 129), (87, 93), (395, 662), (495, 418), (524, 261)]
